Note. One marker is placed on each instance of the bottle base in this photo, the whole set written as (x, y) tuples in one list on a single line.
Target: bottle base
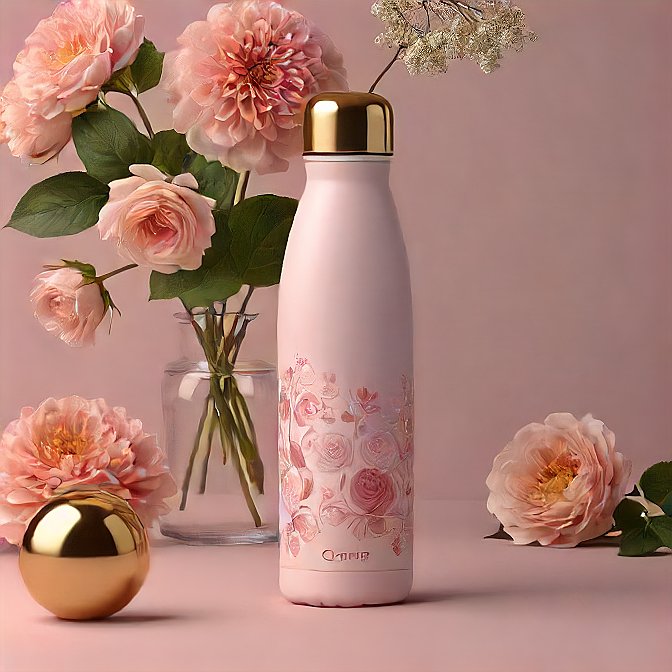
[(345, 589)]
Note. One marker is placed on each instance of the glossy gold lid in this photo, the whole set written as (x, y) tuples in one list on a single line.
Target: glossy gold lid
[(349, 123)]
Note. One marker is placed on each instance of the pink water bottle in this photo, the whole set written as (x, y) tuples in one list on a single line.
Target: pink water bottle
[(345, 338)]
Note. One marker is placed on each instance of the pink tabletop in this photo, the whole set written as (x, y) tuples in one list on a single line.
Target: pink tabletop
[(477, 605)]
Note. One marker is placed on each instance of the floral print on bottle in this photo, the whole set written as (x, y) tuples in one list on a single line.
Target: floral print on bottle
[(346, 459)]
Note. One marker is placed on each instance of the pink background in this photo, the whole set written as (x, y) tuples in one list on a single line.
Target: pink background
[(535, 210)]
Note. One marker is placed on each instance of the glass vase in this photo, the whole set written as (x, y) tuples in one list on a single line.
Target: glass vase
[(220, 434)]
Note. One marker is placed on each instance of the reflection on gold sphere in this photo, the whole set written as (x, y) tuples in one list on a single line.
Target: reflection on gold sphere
[(85, 555)]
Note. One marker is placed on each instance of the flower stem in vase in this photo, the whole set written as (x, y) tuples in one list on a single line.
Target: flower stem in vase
[(211, 424), (194, 452), (249, 438), (233, 438), (226, 410)]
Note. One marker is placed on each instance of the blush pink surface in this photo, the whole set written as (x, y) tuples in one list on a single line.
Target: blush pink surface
[(535, 207), (477, 606)]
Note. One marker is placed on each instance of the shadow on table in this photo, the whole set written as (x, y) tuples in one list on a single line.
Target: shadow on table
[(137, 618)]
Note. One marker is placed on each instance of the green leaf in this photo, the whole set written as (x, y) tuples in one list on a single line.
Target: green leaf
[(62, 205), (629, 515), (260, 228), (638, 542), (147, 67), (120, 82), (88, 271), (108, 143), (662, 526), (666, 505), (170, 151), (214, 281), (109, 303), (214, 180), (656, 482)]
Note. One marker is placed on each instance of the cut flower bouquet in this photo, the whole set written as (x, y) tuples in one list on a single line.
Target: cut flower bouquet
[(174, 201)]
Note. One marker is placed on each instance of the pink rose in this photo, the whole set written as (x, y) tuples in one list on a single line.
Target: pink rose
[(74, 442), (558, 483), (334, 451), (67, 309), (295, 486), (157, 222), (30, 136), (307, 408), (241, 79), (380, 449), (372, 491)]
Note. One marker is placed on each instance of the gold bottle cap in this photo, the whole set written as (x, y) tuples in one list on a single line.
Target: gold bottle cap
[(349, 123)]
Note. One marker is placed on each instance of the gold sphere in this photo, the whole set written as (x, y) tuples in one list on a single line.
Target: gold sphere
[(85, 555)]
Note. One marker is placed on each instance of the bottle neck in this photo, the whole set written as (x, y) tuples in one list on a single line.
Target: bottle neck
[(348, 167)]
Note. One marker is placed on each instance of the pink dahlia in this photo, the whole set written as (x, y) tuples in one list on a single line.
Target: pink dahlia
[(559, 482), (74, 442), (241, 79)]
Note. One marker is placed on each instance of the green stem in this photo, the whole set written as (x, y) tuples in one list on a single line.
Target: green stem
[(245, 487), (211, 425), (247, 431), (231, 414), (228, 424), (142, 113), (246, 300), (107, 276), (192, 458), (241, 188)]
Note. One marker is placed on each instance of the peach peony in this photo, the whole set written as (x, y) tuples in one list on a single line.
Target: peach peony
[(126, 29), (71, 54), (67, 309), (241, 79), (157, 221), (65, 62), (74, 442), (30, 136), (558, 483)]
